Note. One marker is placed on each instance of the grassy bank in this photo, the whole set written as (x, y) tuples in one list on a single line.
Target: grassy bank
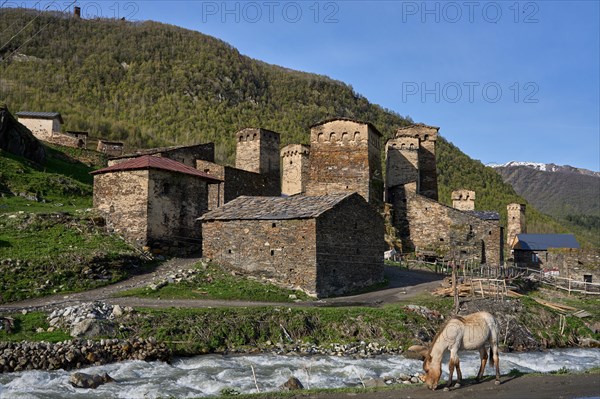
[(209, 281), (42, 254)]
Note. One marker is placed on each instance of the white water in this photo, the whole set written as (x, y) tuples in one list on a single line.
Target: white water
[(207, 375)]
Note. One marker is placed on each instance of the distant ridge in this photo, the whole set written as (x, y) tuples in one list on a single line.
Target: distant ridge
[(546, 167)]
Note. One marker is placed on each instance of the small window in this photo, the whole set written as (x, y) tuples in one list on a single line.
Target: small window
[(441, 240), (229, 251), (274, 225), (272, 252), (587, 278)]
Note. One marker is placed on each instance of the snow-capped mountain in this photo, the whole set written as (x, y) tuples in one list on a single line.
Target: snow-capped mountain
[(560, 191), (546, 167)]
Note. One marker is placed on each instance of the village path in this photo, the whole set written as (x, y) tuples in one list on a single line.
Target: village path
[(403, 285)]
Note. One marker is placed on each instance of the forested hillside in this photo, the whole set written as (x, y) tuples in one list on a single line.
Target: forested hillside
[(151, 84)]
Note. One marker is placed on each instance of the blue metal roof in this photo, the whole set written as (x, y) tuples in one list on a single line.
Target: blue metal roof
[(541, 242)]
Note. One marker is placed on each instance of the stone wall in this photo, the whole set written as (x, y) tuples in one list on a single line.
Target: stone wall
[(575, 263), (257, 150), (175, 201), (295, 160), (350, 246), (345, 157), (237, 182), (41, 128), (66, 140), (463, 200), (425, 225), (110, 148), (402, 161), (153, 208), (280, 250), (427, 136), (122, 197)]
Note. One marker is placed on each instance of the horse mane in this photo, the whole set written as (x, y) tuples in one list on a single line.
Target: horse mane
[(437, 335)]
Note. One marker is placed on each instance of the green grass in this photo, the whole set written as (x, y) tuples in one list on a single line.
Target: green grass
[(63, 183), (25, 327), (194, 331), (215, 283), (45, 254)]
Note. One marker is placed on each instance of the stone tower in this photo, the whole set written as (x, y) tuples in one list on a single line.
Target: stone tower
[(463, 200), (401, 163), (515, 222), (257, 151), (294, 158), (427, 136), (345, 157)]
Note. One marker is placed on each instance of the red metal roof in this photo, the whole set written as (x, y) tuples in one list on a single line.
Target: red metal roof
[(150, 162)]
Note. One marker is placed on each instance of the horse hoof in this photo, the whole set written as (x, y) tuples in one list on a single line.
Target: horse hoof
[(446, 389), (457, 385), (497, 382)]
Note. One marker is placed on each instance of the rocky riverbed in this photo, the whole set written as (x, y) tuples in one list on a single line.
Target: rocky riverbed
[(77, 353)]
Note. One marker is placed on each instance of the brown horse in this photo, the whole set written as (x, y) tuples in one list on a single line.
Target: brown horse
[(470, 332)]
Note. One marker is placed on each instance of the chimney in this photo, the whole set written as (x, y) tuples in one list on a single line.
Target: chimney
[(77, 12)]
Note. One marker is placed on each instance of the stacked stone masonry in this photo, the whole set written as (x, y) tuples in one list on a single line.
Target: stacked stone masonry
[(327, 252), (345, 157), (295, 165), (427, 136)]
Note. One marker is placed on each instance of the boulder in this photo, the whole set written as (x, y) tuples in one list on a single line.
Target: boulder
[(87, 381), (90, 328), (292, 384)]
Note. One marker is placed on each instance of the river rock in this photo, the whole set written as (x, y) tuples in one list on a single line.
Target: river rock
[(292, 384), (374, 383), (92, 328), (83, 380)]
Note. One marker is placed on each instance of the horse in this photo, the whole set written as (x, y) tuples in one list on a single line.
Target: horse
[(470, 332)]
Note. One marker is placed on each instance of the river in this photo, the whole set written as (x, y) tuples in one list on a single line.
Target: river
[(208, 375)]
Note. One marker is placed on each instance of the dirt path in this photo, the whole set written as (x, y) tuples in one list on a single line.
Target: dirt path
[(403, 285), (545, 386)]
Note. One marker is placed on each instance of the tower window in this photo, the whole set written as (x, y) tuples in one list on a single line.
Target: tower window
[(274, 225)]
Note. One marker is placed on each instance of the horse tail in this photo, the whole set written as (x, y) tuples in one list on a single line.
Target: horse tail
[(491, 358)]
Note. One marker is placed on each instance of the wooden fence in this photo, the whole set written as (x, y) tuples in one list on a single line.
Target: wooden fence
[(469, 270)]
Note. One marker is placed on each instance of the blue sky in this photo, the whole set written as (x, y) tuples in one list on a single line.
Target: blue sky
[(505, 80)]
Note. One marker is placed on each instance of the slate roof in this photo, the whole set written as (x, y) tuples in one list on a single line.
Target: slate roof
[(485, 215), (275, 208), (150, 162), (152, 151), (40, 115), (541, 242)]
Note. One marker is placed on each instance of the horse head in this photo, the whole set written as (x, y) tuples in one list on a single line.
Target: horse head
[(432, 373)]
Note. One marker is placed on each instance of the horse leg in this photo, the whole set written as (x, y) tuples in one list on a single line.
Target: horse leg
[(450, 371), (496, 363), (458, 373), (484, 357)]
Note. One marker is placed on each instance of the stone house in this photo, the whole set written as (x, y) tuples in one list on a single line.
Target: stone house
[(41, 124), (46, 126), (325, 245), (153, 202), (186, 154), (345, 157), (82, 137), (110, 148), (532, 250), (427, 226)]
